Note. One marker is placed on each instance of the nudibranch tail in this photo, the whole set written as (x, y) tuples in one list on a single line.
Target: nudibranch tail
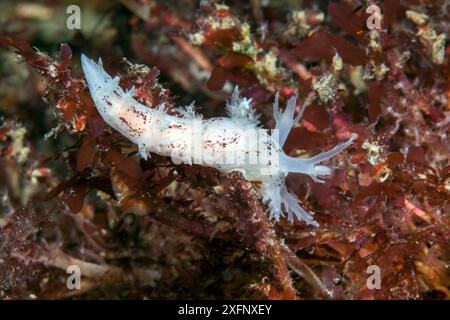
[(94, 72), (118, 108)]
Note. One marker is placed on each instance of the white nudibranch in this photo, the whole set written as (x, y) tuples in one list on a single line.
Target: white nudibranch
[(234, 143)]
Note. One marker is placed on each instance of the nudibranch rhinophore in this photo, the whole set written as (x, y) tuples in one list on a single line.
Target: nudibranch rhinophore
[(233, 143)]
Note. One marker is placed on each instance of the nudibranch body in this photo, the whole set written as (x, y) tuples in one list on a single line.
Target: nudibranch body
[(234, 143)]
